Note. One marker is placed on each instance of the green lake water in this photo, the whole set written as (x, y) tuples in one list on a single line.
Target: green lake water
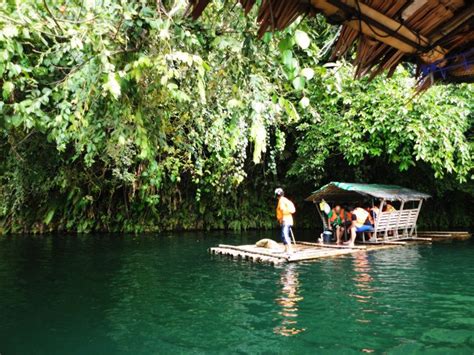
[(116, 294)]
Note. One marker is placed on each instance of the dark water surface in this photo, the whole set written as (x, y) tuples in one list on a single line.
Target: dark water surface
[(165, 294)]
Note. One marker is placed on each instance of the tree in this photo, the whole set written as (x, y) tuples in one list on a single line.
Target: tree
[(129, 117)]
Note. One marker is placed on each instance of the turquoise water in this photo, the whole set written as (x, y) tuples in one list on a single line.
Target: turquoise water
[(166, 294)]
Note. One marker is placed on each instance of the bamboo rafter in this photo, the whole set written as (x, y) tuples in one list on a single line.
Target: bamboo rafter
[(384, 33)]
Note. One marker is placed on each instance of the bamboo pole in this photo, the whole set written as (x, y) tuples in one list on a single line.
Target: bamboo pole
[(292, 235), (332, 246), (399, 217), (233, 247), (377, 219), (325, 223)]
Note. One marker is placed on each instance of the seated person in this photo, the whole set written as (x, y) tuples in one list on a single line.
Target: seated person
[(347, 223), (387, 207), (370, 218), (374, 212), (360, 223), (336, 219)]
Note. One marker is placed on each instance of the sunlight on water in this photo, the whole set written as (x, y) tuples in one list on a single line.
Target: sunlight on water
[(288, 301)]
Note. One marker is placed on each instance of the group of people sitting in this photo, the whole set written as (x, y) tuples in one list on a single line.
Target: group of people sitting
[(354, 220)]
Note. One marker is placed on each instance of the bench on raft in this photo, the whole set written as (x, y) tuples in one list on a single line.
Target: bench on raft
[(395, 225)]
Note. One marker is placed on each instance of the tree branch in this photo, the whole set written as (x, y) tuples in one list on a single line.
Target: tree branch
[(52, 16)]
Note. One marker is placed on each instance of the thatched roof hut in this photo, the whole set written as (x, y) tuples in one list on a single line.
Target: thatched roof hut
[(437, 35), (355, 192)]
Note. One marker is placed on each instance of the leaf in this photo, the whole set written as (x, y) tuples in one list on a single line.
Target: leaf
[(112, 85), (182, 57), (257, 106), (76, 43), (286, 44), (49, 216), (9, 31), (258, 135), (287, 57), (308, 73), (302, 39), (289, 109), (4, 55), (298, 83), (16, 120), (8, 88), (233, 103), (304, 102)]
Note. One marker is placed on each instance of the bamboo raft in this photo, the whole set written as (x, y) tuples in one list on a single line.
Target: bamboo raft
[(306, 251), (302, 251)]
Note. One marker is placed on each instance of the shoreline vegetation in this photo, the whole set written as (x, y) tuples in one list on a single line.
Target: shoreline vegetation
[(133, 118)]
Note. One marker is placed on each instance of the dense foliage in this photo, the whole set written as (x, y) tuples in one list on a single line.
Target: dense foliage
[(125, 115)]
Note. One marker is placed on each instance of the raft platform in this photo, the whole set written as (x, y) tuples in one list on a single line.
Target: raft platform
[(307, 251), (302, 251)]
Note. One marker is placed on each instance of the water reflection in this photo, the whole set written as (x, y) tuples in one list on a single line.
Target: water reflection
[(362, 279), (288, 301), (365, 291)]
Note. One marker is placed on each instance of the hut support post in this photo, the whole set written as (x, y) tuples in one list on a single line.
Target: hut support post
[(399, 216), (377, 219), (420, 202), (325, 224), (385, 232)]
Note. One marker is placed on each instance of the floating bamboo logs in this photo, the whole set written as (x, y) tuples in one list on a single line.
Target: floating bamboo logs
[(303, 251), (307, 251), (446, 235)]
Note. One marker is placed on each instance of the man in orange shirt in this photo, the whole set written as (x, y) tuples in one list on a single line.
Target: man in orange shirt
[(284, 214)]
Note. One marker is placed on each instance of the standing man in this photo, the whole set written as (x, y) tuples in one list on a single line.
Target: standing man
[(284, 212)]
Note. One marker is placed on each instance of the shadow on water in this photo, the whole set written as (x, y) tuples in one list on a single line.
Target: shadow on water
[(149, 294)]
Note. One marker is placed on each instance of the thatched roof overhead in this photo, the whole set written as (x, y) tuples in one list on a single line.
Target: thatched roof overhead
[(438, 35)]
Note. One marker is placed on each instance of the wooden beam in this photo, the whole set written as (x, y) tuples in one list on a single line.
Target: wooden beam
[(443, 232), (412, 8), (388, 242), (453, 24), (380, 27), (238, 248), (421, 239), (332, 246)]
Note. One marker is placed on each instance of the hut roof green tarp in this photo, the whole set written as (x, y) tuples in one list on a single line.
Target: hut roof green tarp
[(344, 191)]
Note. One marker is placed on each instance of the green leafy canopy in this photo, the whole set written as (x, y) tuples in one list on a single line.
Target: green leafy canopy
[(125, 115)]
